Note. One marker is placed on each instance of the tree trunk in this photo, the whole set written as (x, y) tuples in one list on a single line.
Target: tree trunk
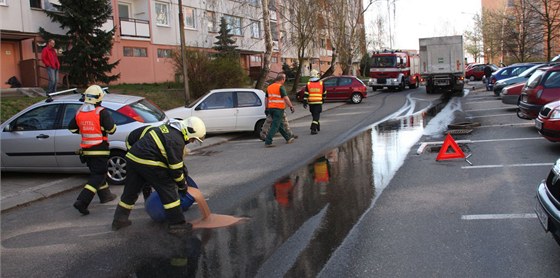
[(330, 70), (268, 45)]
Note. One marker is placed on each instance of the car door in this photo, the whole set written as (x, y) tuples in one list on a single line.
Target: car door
[(250, 109), (28, 140), (330, 85), (217, 112), (67, 143)]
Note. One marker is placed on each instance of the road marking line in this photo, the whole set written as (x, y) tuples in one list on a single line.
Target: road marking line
[(486, 109), (498, 216), (502, 125), (506, 139), (507, 165)]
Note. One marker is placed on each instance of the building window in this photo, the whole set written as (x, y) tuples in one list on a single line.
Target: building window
[(274, 59), (254, 2), (135, 52), (35, 4), (189, 17), (255, 59), (234, 23), (164, 53), (124, 10), (211, 20), (255, 29), (162, 14), (3, 2), (274, 31)]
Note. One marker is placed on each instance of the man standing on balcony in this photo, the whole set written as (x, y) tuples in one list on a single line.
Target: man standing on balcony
[(50, 60)]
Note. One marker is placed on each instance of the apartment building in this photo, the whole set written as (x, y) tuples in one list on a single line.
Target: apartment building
[(146, 33)]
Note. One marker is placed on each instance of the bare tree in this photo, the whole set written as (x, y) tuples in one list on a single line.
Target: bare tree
[(492, 34), (473, 39), (268, 45), (548, 13), (521, 32), (300, 17)]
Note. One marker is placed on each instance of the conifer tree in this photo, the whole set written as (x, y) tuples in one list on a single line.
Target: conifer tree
[(225, 43), (85, 44)]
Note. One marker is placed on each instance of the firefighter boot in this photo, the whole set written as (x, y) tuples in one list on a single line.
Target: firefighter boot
[(105, 195), (120, 219), (313, 128), (176, 222), (84, 199)]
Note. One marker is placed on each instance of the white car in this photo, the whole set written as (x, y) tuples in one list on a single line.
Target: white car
[(227, 110)]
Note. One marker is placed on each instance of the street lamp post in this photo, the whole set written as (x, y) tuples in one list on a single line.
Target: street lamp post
[(183, 53)]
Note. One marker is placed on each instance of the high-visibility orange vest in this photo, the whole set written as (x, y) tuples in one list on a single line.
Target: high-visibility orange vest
[(321, 170), (315, 90), (275, 99), (90, 128)]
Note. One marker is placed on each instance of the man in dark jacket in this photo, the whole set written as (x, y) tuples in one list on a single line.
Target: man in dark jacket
[(487, 74), (157, 159), (93, 122)]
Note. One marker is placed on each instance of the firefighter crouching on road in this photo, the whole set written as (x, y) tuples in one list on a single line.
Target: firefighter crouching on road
[(93, 122), (157, 159), (314, 95)]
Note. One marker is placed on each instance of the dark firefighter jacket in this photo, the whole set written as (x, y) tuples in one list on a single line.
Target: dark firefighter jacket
[(163, 147)]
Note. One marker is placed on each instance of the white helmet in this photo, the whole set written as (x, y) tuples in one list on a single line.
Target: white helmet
[(94, 94), (192, 128), (314, 79)]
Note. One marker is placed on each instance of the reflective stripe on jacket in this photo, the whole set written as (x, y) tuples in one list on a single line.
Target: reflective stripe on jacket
[(90, 127), (275, 99), (315, 92)]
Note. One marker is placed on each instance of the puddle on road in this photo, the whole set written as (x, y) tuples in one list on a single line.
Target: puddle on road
[(297, 223)]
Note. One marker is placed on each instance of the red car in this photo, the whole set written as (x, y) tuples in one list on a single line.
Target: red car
[(477, 72), (541, 88), (548, 121), (341, 88), (510, 94)]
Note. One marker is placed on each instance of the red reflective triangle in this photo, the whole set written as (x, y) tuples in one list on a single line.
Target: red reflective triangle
[(443, 154)]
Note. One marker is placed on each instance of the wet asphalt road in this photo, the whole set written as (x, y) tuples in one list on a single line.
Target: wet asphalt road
[(428, 221), (49, 236)]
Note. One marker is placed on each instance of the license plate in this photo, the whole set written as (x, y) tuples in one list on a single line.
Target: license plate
[(538, 124), (541, 214)]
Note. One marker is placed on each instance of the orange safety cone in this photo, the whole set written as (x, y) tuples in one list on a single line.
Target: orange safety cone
[(443, 154)]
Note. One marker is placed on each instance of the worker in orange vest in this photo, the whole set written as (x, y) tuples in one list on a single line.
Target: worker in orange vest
[(277, 99), (314, 96), (93, 122)]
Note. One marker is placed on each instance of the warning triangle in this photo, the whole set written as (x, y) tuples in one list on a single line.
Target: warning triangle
[(443, 154)]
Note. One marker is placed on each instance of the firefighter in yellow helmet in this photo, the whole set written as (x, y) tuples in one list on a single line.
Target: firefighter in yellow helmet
[(314, 96), (157, 159), (93, 122)]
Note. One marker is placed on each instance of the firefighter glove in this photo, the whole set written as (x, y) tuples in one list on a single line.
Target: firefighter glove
[(305, 105), (292, 109)]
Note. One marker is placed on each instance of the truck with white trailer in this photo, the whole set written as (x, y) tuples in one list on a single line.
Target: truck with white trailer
[(442, 64)]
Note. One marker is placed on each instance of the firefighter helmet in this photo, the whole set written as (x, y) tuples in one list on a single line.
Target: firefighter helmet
[(314, 79), (94, 94), (194, 128)]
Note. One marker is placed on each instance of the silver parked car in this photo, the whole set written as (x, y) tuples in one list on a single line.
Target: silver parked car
[(37, 138)]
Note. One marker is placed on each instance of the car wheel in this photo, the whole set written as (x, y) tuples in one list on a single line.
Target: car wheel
[(116, 167), (258, 128), (471, 78), (401, 85), (356, 98), (413, 85), (373, 88)]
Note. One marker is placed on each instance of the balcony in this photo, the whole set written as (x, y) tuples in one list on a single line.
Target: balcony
[(131, 27)]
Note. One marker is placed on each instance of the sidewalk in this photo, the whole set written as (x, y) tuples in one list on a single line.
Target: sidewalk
[(23, 192)]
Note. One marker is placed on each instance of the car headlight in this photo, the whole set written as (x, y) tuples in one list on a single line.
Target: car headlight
[(555, 114), (394, 80), (556, 167), (504, 91)]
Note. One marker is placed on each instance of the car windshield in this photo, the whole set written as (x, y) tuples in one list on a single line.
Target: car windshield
[(384, 61), (529, 71), (535, 79)]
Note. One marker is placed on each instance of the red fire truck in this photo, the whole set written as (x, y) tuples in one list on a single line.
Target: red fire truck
[(394, 69)]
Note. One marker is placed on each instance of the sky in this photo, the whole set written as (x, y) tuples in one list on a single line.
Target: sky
[(423, 18)]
